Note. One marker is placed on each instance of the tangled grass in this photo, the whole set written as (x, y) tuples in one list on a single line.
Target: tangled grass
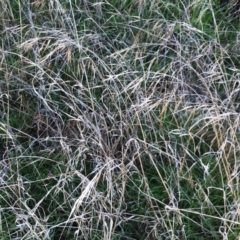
[(119, 120)]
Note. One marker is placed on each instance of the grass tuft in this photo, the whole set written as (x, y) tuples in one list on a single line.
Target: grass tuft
[(119, 120)]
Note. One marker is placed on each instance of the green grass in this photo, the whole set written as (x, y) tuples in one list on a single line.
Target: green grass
[(119, 120)]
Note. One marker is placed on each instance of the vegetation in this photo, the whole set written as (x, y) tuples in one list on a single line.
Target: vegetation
[(119, 120)]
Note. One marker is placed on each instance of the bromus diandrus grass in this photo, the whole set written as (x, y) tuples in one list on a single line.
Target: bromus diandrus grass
[(119, 120)]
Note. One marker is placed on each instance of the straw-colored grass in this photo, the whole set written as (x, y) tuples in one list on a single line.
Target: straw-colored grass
[(119, 120)]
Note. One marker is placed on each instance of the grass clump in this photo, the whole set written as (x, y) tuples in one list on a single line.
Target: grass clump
[(119, 120)]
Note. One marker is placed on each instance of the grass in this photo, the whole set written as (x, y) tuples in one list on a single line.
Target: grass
[(119, 120)]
